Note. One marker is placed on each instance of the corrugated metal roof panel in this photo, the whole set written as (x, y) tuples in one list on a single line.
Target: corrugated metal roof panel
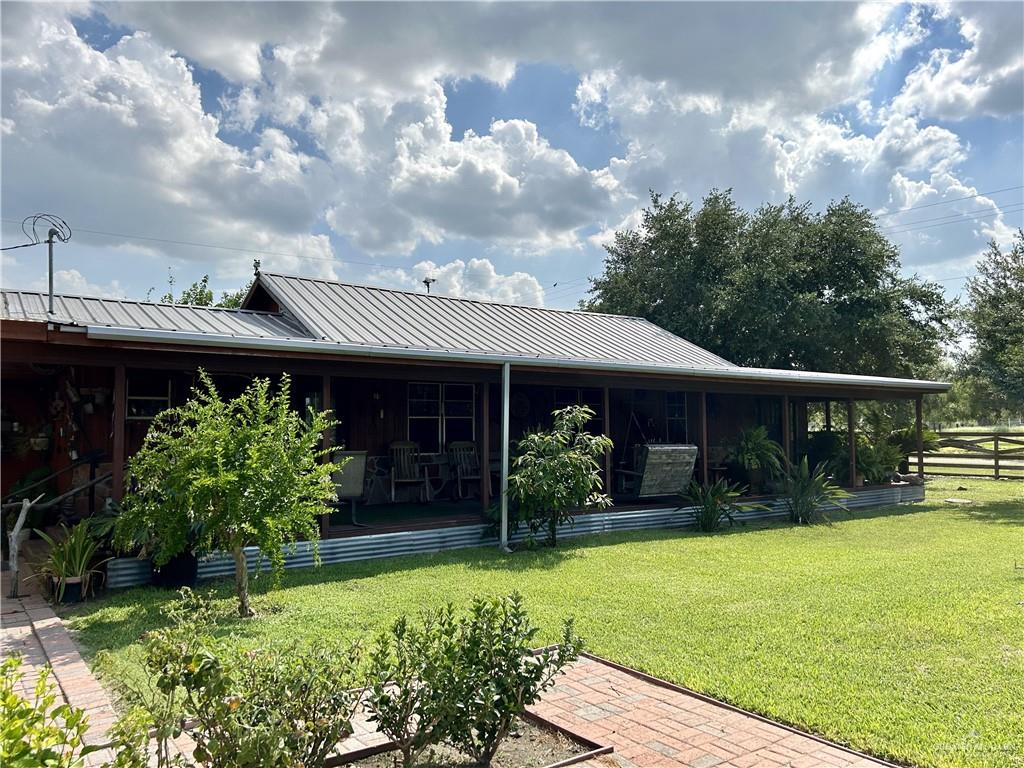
[(122, 313), (381, 317)]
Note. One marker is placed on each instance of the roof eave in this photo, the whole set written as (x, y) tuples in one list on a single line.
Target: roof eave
[(320, 346)]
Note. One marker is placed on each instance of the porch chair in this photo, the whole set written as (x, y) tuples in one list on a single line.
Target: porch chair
[(659, 470), (350, 480), (464, 465), (406, 468)]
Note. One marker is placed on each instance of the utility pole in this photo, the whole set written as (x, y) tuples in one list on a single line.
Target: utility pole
[(49, 247), (427, 281)]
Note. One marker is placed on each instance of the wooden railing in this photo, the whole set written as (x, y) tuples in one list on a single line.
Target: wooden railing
[(988, 454)]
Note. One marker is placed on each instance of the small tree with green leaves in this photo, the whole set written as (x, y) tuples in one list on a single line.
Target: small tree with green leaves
[(414, 671), (499, 673), (218, 474), (557, 472)]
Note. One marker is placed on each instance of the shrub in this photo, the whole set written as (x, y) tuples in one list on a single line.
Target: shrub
[(38, 732), (413, 690), (557, 472), (269, 707), (222, 475), (906, 441), (807, 492), (499, 674), (716, 503), (878, 461)]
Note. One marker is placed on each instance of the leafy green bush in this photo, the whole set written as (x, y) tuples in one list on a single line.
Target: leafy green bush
[(38, 732), (906, 440), (878, 461), (499, 675), (269, 707), (556, 472), (807, 492), (222, 475), (716, 503), (413, 691)]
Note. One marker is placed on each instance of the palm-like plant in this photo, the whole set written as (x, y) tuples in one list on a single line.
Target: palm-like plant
[(716, 503), (758, 454), (807, 493)]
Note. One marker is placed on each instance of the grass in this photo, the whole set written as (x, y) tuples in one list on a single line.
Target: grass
[(898, 632)]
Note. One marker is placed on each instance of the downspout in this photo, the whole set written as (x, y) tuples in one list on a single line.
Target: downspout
[(506, 370)]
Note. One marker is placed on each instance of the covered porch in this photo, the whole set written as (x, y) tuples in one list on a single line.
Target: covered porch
[(95, 416)]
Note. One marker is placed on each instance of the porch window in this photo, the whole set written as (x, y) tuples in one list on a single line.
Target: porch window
[(440, 414), (675, 417), (592, 398)]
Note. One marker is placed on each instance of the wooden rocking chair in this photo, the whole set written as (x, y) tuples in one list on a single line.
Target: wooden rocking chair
[(406, 468), (464, 464)]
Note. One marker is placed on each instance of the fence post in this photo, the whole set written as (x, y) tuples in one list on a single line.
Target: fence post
[(995, 455)]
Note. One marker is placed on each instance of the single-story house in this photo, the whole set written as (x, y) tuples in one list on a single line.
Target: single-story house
[(81, 384)]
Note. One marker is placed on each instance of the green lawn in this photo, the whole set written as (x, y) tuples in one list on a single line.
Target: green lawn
[(899, 632)]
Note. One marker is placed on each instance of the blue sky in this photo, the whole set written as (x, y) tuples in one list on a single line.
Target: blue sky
[(494, 147)]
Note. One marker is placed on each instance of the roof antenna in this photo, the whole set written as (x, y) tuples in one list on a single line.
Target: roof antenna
[(427, 281), (58, 230)]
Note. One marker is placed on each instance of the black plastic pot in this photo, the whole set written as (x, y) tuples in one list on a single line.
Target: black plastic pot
[(180, 571), (72, 591)]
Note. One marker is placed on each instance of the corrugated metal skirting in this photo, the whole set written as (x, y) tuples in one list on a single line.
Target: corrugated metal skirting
[(125, 572)]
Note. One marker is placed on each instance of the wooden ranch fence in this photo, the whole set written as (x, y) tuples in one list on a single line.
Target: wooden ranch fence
[(977, 454)]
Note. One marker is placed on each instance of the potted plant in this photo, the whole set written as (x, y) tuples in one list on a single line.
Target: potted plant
[(70, 568), (759, 455)]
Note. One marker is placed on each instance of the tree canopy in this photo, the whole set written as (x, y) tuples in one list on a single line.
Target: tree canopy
[(782, 287), (995, 321), (199, 294)]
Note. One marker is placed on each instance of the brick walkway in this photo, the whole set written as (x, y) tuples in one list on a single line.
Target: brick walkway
[(654, 725), (646, 723), (31, 629)]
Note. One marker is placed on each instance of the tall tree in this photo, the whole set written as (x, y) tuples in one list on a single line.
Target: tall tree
[(782, 287), (995, 319)]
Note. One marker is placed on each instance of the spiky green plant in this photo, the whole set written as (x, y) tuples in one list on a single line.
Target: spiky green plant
[(71, 557), (716, 504), (807, 493)]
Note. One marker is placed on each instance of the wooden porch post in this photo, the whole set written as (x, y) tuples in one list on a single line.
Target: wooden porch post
[(608, 432), (828, 415), (787, 437), (851, 438), (919, 414), (485, 449), (704, 472), (326, 404), (120, 415), (506, 375)]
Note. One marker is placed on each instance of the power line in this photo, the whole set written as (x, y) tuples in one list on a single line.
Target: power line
[(23, 245), (237, 249), (958, 220), (946, 202), (962, 214)]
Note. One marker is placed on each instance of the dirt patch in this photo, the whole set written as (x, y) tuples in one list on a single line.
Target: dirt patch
[(528, 746)]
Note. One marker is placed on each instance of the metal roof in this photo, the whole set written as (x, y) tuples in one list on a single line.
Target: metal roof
[(381, 317), (324, 317), (91, 311)]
